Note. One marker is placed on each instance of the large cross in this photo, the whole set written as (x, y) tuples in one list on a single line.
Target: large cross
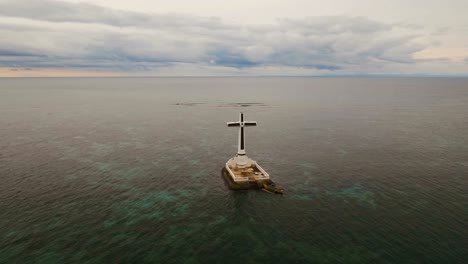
[(241, 124)]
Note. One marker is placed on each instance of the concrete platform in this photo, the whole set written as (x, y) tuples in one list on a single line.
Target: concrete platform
[(253, 184)]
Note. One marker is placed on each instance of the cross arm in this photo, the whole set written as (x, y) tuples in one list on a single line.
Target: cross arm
[(250, 123), (233, 124)]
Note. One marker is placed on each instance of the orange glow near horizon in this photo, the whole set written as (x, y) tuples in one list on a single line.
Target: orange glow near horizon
[(455, 54), (49, 72)]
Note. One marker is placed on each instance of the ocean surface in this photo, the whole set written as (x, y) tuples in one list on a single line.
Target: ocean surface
[(128, 170)]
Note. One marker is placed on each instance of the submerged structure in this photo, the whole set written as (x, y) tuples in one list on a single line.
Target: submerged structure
[(241, 172)]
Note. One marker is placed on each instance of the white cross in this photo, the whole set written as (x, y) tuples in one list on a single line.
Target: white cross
[(241, 124)]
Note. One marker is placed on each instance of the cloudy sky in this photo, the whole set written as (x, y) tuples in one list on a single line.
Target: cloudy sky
[(242, 37)]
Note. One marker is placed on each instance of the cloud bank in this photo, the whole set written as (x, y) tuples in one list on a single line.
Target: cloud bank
[(82, 36)]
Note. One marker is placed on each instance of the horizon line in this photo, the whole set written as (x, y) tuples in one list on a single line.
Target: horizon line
[(253, 76)]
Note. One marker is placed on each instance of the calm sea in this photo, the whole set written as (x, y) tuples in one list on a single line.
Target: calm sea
[(120, 170)]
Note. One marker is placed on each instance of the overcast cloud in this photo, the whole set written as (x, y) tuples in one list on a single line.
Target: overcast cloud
[(69, 35)]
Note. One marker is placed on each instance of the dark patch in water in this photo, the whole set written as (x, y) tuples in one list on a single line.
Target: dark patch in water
[(243, 105)]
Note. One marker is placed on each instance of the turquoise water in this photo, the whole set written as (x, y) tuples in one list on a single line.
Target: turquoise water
[(126, 170)]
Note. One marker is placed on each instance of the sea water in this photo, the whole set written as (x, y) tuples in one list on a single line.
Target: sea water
[(119, 170)]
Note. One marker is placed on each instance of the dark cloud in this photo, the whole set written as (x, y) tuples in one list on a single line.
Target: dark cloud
[(231, 59), (16, 53), (80, 35)]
